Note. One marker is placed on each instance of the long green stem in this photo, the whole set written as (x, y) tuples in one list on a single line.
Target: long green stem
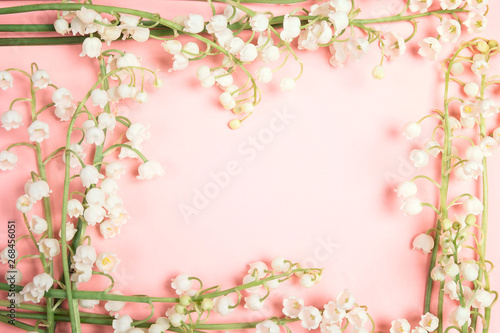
[(159, 31), (6, 320), (108, 321), (484, 216), (46, 210), (41, 308)]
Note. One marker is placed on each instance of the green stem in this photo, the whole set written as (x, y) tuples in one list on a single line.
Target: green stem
[(6, 320), (484, 216), (443, 193), (440, 307), (171, 27), (196, 328), (46, 210)]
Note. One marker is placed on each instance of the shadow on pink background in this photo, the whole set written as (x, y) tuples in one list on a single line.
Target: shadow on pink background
[(313, 173)]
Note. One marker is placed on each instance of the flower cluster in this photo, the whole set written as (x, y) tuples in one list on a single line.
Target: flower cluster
[(98, 202), (462, 274), (428, 323), (196, 302), (331, 24), (335, 316)]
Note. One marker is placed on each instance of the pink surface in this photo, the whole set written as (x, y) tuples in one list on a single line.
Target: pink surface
[(313, 174)]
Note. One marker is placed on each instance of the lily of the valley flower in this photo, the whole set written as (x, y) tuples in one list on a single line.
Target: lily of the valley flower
[(287, 84), (267, 326), (411, 206), (357, 316), (122, 323), (424, 243), (412, 130), (38, 131), (429, 322), (8, 254), (181, 284), (11, 120), (38, 190), (94, 214), (314, 35), (114, 306), (407, 189), (81, 273), (137, 133), (460, 316), (253, 302), (450, 4), (345, 300), (70, 231), (310, 317), (475, 22), (340, 21), (216, 23), (75, 208), (248, 53), (62, 98), (49, 247), (107, 262), (429, 48), (61, 26), (99, 97), (41, 79), (419, 158), (400, 326), (150, 169), (88, 303), (106, 121), (24, 203), (91, 47), (292, 306), (473, 206), (333, 314), (469, 271), (291, 28), (223, 305), (6, 80), (449, 30), (38, 225), (259, 23), (394, 45), (8, 160), (194, 23), (420, 5), (89, 175)]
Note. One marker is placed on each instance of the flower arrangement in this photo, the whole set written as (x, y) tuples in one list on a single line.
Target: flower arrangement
[(238, 38)]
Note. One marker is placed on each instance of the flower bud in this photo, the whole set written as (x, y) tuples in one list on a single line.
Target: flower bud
[(207, 304), (185, 300), (470, 220), (287, 84), (234, 124), (482, 46), (378, 72), (471, 89), (457, 68), (412, 130), (447, 224)]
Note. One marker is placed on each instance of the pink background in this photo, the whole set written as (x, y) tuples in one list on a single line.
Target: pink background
[(326, 178)]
